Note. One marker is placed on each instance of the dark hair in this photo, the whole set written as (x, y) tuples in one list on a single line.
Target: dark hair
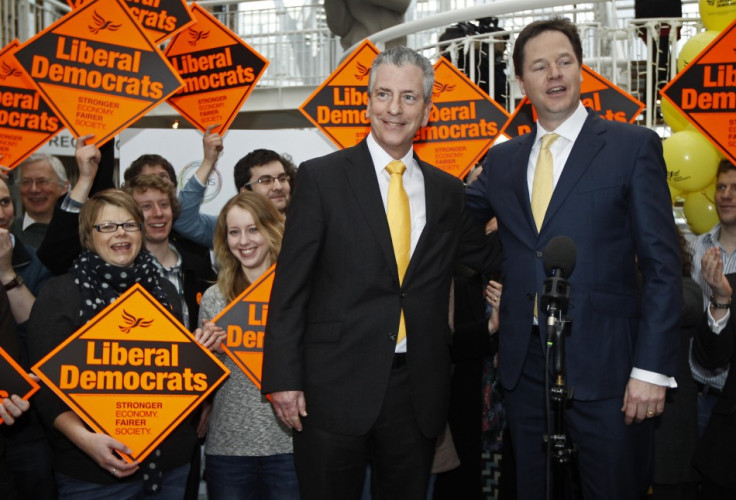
[(403, 56), (144, 182), (256, 158), (725, 166), (152, 160), (561, 24)]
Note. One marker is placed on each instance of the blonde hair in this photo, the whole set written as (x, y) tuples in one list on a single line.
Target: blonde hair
[(270, 223)]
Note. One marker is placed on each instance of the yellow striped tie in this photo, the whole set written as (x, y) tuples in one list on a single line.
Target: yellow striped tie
[(399, 223)]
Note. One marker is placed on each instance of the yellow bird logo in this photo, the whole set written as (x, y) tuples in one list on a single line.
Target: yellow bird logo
[(197, 35), (363, 71), (133, 322), (6, 71), (439, 88), (101, 24)]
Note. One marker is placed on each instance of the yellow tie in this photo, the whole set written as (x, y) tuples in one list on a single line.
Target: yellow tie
[(399, 223), (544, 183)]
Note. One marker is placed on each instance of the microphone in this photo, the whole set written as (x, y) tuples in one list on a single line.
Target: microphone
[(559, 263), (559, 257)]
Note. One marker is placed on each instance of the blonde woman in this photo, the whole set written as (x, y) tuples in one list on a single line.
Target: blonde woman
[(248, 452)]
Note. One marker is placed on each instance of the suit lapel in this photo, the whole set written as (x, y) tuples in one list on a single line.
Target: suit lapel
[(520, 164), (586, 146), (362, 180)]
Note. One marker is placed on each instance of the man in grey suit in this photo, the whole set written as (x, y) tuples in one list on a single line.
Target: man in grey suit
[(335, 363)]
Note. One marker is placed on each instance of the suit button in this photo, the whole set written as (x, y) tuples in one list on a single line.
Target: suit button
[(392, 337), (402, 294), (540, 254)]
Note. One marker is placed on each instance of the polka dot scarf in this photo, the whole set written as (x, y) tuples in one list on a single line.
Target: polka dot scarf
[(101, 283)]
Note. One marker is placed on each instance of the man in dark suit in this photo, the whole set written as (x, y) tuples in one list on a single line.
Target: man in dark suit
[(608, 193), (333, 347)]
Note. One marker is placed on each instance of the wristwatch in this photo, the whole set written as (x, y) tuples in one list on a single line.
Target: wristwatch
[(14, 283)]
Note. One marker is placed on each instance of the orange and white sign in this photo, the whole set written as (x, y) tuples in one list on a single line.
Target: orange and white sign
[(338, 106), (463, 122), (596, 92), (160, 19), (244, 320), (97, 69), (133, 372), (26, 121), (219, 71), (14, 379), (705, 91)]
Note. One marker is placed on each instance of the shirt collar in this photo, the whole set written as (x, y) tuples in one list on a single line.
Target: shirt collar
[(714, 233), (570, 128), (28, 220), (381, 158)]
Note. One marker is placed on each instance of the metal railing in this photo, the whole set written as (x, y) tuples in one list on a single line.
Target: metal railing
[(302, 51)]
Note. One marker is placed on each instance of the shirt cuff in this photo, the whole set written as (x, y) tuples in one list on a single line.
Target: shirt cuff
[(716, 325), (71, 205), (653, 378)]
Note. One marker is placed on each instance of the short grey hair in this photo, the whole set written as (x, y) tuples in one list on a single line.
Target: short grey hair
[(400, 56), (55, 163)]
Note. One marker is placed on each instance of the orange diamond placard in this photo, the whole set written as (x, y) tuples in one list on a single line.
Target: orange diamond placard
[(705, 91), (338, 106), (244, 320), (97, 69), (14, 379), (463, 122), (596, 92), (219, 71), (26, 120), (160, 19), (133, 372)]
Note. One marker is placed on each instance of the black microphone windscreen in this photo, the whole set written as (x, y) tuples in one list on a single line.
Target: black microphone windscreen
[(560, 254)]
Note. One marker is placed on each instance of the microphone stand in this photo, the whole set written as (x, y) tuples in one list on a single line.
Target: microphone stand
[(560, 450)]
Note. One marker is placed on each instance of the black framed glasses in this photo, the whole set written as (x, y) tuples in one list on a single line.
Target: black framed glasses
[(267, 180), (111, 227)]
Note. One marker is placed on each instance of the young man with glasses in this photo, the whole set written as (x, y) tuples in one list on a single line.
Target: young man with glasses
[(263, 171)]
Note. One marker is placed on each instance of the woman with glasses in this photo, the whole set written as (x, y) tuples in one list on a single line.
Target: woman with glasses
[(86, 463), (248, 452)]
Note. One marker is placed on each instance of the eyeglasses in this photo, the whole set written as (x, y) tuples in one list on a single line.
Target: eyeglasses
[(267, 180), (111, 227), (40, 183)]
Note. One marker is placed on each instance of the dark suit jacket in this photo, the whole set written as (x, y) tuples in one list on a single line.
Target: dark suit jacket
[(715, 455), (335, 305), (612, 200)]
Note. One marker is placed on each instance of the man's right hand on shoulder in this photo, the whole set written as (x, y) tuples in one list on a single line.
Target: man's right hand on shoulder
[(289, 407)]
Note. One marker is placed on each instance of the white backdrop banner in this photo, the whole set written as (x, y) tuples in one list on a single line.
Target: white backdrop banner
[(183, 148)]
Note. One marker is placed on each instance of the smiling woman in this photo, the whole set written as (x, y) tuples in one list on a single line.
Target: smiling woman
[(111, 233), (247, 448)]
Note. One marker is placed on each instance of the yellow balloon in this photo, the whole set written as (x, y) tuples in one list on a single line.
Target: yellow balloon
[(673, 117), (700, 210), (692, 160), (717, 14), (693, 47)]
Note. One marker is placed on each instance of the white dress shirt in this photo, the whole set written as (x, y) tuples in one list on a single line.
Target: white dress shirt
[(413, 180)]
